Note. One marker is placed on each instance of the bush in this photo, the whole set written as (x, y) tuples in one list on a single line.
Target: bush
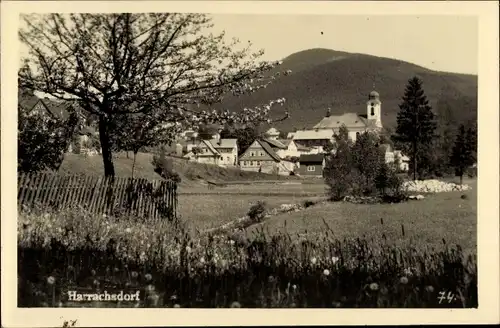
[(164, 167), (307, 203), (359, 169), (257, 211)]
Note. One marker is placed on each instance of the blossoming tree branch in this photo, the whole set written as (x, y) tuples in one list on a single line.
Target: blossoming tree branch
[(143, 75)]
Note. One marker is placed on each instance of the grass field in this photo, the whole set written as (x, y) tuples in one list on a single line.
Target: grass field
[(426, 222), (189, 172)]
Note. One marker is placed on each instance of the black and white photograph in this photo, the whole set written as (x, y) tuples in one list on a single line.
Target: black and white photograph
[(176, 158)]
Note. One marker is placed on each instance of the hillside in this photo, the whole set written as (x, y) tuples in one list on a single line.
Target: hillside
[(325, 78), (191, 173)]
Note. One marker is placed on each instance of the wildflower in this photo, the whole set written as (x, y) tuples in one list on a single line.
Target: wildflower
[(134, 274), (150, 288), (294, 287), (148, 276), (384, 290), (51, 280), (326, 272), (173, 297), (143, 256), (128, 230), (407, 272), (104, 216), (235, 305), (116, 269), (188, 249), (335, 259), (92, 272), (177, 306), (337, 304), (70, 268), (374, 286), (403, 280), (202, 260), (231, 242), (314, 260), (270, 279), (429, 288), (96, 282)]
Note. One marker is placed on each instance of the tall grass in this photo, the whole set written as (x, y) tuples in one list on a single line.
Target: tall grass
[(74, 250)]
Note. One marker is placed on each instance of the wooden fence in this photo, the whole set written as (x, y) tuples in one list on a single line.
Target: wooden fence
[(137, 197)]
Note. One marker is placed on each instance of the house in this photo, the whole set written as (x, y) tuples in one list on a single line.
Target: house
[(261, 157), (272, 134), (392, 155), (316, 139), (311, 165), (52, 108), (222, 152), (286, 148)]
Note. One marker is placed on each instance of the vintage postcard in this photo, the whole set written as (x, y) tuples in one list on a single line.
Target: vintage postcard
[(249, 163)]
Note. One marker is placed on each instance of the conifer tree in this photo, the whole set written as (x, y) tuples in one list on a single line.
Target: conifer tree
[(415, 126), (463, 153)]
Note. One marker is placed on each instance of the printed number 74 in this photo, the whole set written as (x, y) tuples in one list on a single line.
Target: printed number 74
[(450, 297)]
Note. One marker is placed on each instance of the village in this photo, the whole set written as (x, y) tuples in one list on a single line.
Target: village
[(301, 153)]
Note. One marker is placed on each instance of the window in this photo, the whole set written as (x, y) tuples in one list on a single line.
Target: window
[(261, 153), (372, 111), (244, 163), (311, 168), (251, 163)]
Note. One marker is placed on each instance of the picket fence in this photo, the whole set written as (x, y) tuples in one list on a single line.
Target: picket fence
[(154, 199)]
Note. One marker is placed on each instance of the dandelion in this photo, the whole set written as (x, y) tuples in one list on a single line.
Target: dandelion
[(128, 230), (92, 272), (374, 286), (188, 249), (335, 259), (326, 272), (148, 277), (235, 305), (51, 280), (173, 297), (202, 260), (177, 306), (270, 279), (134, 274), (314, 260), (150, 288), (294, 287), (403, 280), (429, 289), (231, 242)]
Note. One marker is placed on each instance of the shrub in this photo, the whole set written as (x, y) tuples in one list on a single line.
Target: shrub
[(308, 203), (164, 167), (257, 211), (359, 169)]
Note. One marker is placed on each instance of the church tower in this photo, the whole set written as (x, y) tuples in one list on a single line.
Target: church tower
[(373, 108)]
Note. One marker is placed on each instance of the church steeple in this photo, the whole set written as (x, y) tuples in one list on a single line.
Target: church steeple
[(374, 108)]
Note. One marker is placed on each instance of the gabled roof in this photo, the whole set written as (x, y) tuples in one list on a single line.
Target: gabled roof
[(272, 132), (324, 134), (276, 143), (211, 147), (269, 150), (224, 143), (313, 158), (350, 120)]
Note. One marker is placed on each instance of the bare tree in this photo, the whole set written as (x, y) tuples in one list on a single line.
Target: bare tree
[(163, 66)]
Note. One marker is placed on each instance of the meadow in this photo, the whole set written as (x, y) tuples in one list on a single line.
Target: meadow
[(416, 254)]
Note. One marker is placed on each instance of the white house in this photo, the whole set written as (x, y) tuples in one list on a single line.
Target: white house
[(222, 152), (272, 134)]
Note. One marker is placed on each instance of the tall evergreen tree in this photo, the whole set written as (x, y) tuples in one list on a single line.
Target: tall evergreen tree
[(463, 153), (415, 126)]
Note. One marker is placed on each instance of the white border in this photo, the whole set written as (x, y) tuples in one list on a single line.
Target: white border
[(488, 227)]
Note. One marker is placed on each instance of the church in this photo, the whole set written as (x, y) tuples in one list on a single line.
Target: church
[(355, 123)]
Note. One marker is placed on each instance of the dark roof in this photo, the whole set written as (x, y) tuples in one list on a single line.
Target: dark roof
[(269, 150), (275, 143), (313, 158)]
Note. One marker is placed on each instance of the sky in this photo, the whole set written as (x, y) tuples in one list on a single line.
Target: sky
[(442, 43)]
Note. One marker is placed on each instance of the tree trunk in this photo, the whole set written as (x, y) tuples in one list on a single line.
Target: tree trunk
[(133, 163), (107, 155), (127, 154), (461, 177)]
